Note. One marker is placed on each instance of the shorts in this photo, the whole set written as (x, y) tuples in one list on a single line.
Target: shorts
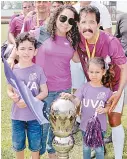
[(33, 131), (119, 106)]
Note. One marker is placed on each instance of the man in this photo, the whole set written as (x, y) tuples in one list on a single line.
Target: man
[(16, 24), (97, 43), (106, 25), (55, 5), (40, 17)]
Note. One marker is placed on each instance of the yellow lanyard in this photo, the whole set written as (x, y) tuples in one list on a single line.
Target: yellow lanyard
[(87, 48), (37, 20)]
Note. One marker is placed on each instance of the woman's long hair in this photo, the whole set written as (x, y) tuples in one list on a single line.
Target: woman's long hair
[(73, 35)]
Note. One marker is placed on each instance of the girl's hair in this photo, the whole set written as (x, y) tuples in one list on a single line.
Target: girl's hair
[(25, 36), (107, 79), (73, 35)]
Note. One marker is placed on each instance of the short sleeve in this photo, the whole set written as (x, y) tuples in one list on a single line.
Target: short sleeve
[(116, 52), (40, 57), (27, 25), (79, 92), (42, 79), (110, 93), (12, 26)]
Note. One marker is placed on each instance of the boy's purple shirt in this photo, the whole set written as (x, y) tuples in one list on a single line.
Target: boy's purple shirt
[(35, 105)]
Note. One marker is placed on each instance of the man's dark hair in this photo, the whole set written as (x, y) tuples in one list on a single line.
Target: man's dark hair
[(25, 36), (60, 2), (90, 9)]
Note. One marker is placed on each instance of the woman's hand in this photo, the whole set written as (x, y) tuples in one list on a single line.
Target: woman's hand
[(66, 96)]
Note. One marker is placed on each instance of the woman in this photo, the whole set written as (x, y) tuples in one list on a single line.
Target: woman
[(54, 57)]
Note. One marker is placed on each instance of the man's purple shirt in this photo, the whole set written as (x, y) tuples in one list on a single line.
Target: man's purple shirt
[(31, 23), (107, 45), (16, 24)]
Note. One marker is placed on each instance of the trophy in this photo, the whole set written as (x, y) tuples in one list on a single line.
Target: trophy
[(62, 118)]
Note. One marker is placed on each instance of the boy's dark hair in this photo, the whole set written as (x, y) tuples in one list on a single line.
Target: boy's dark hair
[(90, 9), (25, 36)]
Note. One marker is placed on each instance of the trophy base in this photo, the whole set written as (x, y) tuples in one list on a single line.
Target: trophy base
[(63, 146), (63, 155)]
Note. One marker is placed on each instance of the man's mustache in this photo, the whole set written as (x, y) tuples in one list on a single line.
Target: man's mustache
[(87, 30)]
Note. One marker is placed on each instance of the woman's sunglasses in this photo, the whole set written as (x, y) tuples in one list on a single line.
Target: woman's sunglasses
[(63, 18)]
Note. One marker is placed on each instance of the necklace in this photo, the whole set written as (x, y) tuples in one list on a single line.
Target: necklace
[(87, 48)]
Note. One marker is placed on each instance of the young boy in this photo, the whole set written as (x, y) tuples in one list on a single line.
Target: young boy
[(23, 121)]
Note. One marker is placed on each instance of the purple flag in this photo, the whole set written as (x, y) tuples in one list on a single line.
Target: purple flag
[(35, 105)]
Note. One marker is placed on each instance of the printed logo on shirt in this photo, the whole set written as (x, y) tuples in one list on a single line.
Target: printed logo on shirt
[(32, 77), (93, 103), (66, 43), (32, 85), (101, 95)]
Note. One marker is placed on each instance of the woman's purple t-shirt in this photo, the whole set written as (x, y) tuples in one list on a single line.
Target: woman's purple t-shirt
[(54, 57)]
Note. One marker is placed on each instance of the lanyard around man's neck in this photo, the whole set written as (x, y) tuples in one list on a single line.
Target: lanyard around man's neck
[(91, 55)]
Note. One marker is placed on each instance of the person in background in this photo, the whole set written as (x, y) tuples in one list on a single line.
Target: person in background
[(24, 122), (97, 43), (94, 96), (55, 5), (121, 34), (16, 23), (41, 16), (121, 31)]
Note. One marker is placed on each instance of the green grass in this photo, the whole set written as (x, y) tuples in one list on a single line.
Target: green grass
[(4, 31), (6, 146)]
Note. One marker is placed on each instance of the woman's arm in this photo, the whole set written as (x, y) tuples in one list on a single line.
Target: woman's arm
[(76, 58)]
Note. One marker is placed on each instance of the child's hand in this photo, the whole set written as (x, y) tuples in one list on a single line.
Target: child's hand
[(21, 103), (101, 110), (66, 96), (14, 97)]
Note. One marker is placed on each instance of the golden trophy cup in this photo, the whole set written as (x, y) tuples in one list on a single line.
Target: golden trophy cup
[(62, 118)]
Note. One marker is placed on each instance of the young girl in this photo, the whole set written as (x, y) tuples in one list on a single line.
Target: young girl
[(93, 96), (23, 121)]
